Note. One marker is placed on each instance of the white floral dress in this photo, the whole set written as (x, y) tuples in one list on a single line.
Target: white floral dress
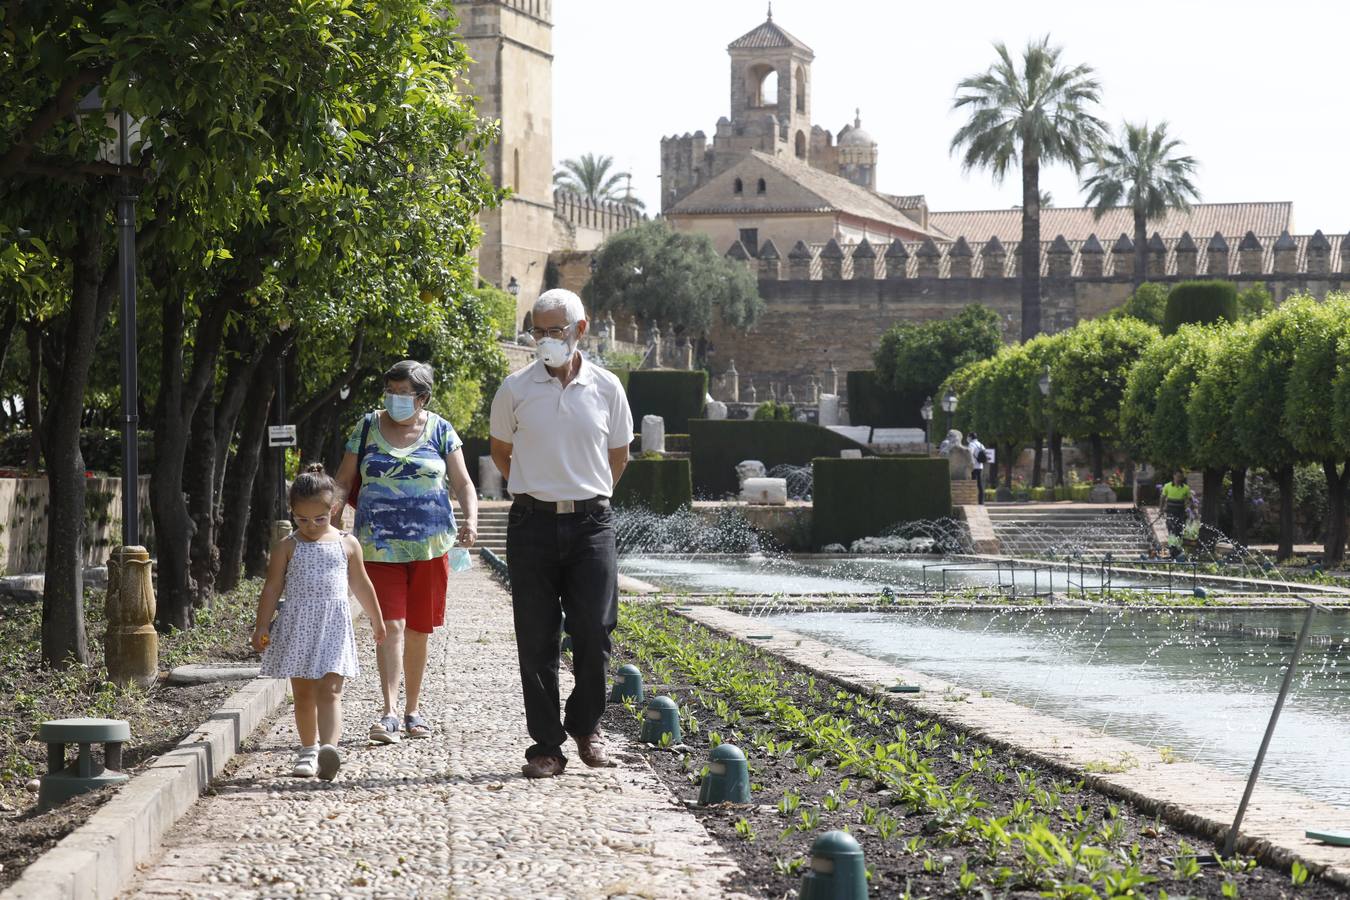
[(313, 634)]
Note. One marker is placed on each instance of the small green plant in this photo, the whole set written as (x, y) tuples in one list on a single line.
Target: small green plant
[(790, 867), (1168, 755), (1298, 874), (744, 831)]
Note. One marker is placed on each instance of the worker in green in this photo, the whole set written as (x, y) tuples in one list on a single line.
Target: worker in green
[(1175, 495)]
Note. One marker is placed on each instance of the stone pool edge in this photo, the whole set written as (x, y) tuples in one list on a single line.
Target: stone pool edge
[(1187, 795)]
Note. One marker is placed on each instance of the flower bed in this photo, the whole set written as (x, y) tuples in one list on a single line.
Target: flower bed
[(937, 813)]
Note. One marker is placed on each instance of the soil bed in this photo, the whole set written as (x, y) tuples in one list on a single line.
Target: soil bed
[(951, 817), (159, 717)]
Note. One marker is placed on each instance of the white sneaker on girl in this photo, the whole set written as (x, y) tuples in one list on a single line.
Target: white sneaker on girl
[(330, 760), (306, 762)]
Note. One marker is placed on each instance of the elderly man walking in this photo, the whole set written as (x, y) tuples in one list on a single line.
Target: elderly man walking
[(560, 434)]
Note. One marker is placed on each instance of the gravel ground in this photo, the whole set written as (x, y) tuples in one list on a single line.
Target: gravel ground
[(450, 816)]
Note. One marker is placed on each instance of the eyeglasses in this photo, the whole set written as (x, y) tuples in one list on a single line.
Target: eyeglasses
[(317, 521), (556, 333)]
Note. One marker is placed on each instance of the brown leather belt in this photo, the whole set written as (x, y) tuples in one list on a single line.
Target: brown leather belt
[(561, 507)]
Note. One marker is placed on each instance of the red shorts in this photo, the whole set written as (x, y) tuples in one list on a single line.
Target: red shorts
[(414, 591)]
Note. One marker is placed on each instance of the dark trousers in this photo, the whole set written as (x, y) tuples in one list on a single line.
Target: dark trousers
[(562, 564), (978, 476)]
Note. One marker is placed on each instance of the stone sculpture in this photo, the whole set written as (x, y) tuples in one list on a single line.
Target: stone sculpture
[(959, 458)]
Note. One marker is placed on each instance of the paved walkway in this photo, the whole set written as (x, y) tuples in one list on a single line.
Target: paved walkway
[(450, 816)]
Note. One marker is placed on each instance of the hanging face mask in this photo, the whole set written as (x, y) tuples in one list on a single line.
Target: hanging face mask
[(554, 352), (401, 407)]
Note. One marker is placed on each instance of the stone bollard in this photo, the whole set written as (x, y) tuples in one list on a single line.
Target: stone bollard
[(653, 434), (837, 869), (728, 778), (131, 644)]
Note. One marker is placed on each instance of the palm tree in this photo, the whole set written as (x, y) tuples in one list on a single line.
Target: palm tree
[(590, 176), (1040, 114), (1144, 171)]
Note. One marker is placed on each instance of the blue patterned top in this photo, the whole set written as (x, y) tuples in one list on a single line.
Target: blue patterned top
[(403, 511)]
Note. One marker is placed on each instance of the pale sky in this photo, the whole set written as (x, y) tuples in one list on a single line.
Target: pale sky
[(1257, 90)]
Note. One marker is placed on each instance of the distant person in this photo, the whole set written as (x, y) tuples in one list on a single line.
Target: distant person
[(311, 642), (1172, 502), (979, 456), (405, 460), (560, 433)]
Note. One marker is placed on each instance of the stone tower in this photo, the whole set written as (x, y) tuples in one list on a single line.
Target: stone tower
[(511, 45), (857, 154)]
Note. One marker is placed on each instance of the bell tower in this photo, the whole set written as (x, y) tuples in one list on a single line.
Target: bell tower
[(771, 90)]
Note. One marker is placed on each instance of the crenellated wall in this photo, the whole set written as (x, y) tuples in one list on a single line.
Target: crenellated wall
[(829, 304), (581, 223)]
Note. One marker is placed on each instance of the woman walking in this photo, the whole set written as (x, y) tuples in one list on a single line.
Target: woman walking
[(398, 460)]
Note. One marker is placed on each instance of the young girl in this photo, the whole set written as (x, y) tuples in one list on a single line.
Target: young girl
[(312, 642)]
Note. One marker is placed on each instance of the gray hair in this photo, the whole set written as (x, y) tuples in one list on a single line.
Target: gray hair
[(418, 374), (560, 298)]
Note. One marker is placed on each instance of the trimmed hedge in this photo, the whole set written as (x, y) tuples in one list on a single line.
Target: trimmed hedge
[(101, 448), (661, 485), (676, 396), (1200, 302), (718, 446), (856, 498), (872, 403)]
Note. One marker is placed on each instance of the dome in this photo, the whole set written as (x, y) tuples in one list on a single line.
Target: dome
[(855, 136)]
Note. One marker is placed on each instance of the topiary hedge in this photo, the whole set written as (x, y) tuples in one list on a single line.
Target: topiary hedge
[(676, 396), (872, 403), (856, 498), (717, 446), (1200, 302), (661, 485)]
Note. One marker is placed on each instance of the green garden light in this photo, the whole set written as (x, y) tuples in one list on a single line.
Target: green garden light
[(627, 685), (728, 778), (662, 717), (837, 871)]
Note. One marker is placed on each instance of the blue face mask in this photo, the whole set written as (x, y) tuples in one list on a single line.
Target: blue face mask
[(401, 407)]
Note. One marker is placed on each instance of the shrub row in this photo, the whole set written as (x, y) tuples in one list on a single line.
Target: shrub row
[(676, 396), (855, 498), (660, 485), (718, 446)]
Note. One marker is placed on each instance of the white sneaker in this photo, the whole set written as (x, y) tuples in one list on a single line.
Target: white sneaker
[(306, 763), (330, 760)]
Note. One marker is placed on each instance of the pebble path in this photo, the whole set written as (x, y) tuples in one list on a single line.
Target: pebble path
[(450, 816)]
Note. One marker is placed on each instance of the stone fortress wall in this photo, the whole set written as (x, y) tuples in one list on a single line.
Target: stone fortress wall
[(827, 305)]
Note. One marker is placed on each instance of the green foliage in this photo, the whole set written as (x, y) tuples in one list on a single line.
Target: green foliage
[(660, 485), (1210, 411), (1254, 301), (718, 446), (675, 396), (1260, 412), (773, 411), (1140, 398), (1090, 372), (870, 402), (1317, 360), (101, 448), (855, 498), (915, 359), (1171, 444), (1148, 304), (655, 272), (591, 176), (1200, 302), (499, 308)]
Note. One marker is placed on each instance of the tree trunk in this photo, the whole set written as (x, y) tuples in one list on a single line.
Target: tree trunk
[(262, 513), (1098, 459), (1037, 464), (63, 634), (32, 400), (1031, 244), (200, 485), (1140, 248), (1057, 457), (237, 506), (1210, 492), (173, 524), (1239, 535), (1285, 476), (1333, 546)]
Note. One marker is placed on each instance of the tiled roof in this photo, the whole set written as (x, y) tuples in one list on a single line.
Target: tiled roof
[(823, 192), (904, 201), (1076, 223), (767, 36)]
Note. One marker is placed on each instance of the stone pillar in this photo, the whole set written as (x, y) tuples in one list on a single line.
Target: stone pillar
[(1059, 258), (770, 265), (813, 390), (930, 258), (131, 644), (832, 378), (1250, 254), (1216, 253), (789, 396), (897, 261), (1187, 255), (733, 383), (1092, 256), (773, 391), (1286, 255), (687, 355), (864, 262), (994, 257), (960, 257), (1319, 254), (634, 331), (1156, 261), (832, 261), (654, 355), (799, 262), (751, 394), (1122, 256)]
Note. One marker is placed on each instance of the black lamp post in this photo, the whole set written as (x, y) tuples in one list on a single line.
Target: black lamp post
[(1044, 384), (513, 287), (949, 400), (927, 412)]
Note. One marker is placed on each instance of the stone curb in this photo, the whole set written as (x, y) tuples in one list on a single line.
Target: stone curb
[(100, 857)]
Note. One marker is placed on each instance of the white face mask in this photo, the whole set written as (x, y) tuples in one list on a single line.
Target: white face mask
[(555, 352)]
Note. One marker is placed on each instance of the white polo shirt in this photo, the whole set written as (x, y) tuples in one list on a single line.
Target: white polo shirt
[(560, 437)]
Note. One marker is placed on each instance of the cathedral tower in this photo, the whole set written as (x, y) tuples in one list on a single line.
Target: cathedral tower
[(511, 45), (771, 90)]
